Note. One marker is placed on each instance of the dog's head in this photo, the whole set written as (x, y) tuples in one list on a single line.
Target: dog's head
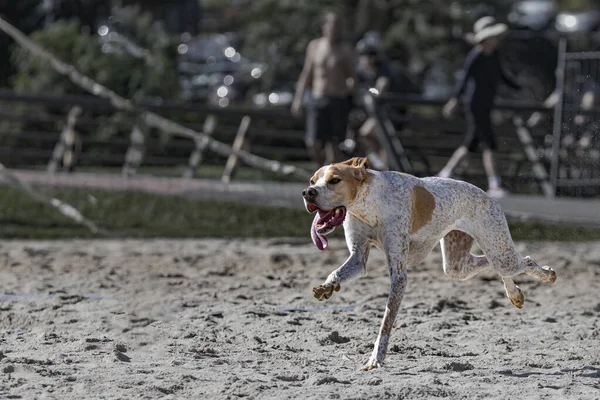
[(332, 189)]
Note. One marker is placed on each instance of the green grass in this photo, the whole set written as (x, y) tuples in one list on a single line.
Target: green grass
[(553, 233), (143, 215)]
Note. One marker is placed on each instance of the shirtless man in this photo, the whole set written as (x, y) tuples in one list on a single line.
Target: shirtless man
[(329, 71)]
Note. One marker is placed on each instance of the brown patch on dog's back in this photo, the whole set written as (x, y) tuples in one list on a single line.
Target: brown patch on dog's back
[(423, 205)]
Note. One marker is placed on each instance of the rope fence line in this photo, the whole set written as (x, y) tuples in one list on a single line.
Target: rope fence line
[(150, 118), (64, 208)]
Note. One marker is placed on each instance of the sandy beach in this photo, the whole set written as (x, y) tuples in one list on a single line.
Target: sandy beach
[(233, 319)]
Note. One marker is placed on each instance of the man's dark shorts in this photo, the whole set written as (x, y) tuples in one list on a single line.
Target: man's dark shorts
[(479, 130), (327, 119)]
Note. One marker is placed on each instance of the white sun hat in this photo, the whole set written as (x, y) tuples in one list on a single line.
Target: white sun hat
[(486, 27)]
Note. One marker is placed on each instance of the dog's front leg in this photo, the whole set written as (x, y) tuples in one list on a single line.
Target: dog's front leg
[(354, 266), (397, 253), (356, 239)]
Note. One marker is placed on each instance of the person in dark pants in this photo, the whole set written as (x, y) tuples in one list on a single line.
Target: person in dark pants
[(373, 74), (482, 72), (329, 70)]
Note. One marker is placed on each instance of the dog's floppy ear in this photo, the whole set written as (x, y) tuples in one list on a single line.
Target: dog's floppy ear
[(360, 165), (358, 162)]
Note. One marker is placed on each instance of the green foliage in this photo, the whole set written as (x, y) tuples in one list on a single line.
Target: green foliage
[(578, 5), (419, 34), (118, 70), (64, 40), (415, 33), (20, 14)]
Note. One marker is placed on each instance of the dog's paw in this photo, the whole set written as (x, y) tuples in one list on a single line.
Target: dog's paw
[(371, 364), (551, 278), (325, 291), (518, 299)]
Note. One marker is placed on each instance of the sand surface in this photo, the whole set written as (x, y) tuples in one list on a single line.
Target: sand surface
[(230, 319)]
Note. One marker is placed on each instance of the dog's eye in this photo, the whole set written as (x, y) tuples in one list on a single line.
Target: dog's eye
[(334, 181), (312, 181)]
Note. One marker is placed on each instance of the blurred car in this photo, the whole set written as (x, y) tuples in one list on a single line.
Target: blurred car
[(544, 15), (212, 69), (578, 22), (280, 97), (535, 15)]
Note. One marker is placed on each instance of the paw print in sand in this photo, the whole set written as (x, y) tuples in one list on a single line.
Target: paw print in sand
[(324, 292)]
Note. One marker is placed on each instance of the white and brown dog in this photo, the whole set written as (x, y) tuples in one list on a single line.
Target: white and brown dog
[(405, 217)]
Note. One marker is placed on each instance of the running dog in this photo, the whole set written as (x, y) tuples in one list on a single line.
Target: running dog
[(405, 217)]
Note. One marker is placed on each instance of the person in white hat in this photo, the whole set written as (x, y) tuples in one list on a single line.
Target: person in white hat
[(481, 74)]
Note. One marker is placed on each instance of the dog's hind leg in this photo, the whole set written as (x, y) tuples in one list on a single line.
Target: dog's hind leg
[(531, 268), (526, 266), (459, 263), (493, 236)]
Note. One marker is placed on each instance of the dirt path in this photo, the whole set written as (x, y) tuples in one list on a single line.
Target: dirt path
[(229, 319)]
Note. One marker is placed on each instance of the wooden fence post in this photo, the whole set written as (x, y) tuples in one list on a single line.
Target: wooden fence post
[(135, 152), (239, 143), (538, 168), (64, 148), (210, 123)]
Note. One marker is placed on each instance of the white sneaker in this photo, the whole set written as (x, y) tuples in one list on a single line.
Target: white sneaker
[(497, 192)]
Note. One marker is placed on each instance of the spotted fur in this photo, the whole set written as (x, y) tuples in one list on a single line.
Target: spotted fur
[(405, 217)]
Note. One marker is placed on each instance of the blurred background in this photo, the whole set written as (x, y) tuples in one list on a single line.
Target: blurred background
[(229, 68), (259, 45)]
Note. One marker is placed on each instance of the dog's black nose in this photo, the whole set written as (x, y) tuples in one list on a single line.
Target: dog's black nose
[(309, 193)]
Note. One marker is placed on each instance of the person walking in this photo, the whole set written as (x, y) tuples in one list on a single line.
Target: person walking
[(481, 75), (372, 74)]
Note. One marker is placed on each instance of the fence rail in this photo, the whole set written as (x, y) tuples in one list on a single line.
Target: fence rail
[(428, 139)]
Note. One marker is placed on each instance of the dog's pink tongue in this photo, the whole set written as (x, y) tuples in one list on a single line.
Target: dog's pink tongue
[(319, 240)]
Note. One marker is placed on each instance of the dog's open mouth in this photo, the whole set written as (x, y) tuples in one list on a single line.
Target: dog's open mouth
[(324, 223)]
